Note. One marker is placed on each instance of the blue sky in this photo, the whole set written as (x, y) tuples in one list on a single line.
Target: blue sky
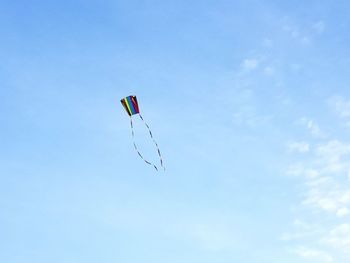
[(248, 100)]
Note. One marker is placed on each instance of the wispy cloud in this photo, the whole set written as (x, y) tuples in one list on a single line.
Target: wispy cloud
[(319, 27), (301, 147), (305, 34), (250, 64), (267, 42), (269, 70), (341, 106), (294, 32), (339, 238), (314, 255), (301, 230), (325, 203), (312, 127)]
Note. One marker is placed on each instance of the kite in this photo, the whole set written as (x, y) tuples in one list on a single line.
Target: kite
[(132, 108)]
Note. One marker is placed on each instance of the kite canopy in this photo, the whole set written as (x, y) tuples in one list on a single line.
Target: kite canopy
[(130, 105)]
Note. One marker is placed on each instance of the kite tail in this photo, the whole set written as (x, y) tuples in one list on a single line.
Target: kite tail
[(154, 141), (135, 146)]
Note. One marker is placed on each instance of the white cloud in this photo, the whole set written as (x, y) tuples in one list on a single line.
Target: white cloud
[(324, 172), (296, 67), (267, 42), (269, 71), (292, 30), (312, 127), (316, 198), (301, 147), (334, 156), (247, 115), (342, 108), (328, 197), (250, 64), (295, 33), (295, 170), (339, 237), (308, 173), (319, 27), (313, 174), (303, 34), (343, 212), (314, 255), (302, 230), (305, 40)]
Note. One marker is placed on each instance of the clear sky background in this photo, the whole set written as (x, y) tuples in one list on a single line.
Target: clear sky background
[(250, 104)]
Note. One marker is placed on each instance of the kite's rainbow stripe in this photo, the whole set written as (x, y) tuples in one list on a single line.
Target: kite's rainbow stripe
[(130, 104)]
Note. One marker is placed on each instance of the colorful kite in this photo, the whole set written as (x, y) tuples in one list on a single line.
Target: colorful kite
[(132, 108)]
